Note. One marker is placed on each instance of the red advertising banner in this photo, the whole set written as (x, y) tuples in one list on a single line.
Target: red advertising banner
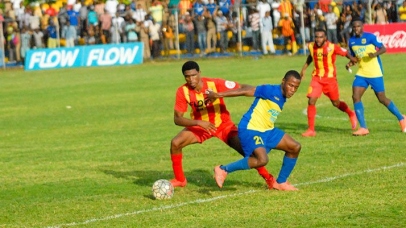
[(393, 36)]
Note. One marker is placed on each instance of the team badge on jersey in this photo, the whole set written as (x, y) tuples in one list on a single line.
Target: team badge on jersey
[(363, 41), (230, 84)]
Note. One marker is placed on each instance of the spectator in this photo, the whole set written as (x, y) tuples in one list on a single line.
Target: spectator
[(38, 36), (287, 26), (155, 35), (254, 21), (156, 11), (266, 34), (130, 29), (211, 32), (275, 12), (69, 34), (379, 15), (139, 14), (224, 7), (402, 12), (189, 33), (105, 26), (52, 35), (117, 29), (331, 22), (222, 23), (198, 8), (168, 36), (201, 33), (25, 42), (144, 37)]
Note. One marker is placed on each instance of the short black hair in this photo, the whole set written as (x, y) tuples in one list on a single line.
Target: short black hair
[(357, 19), (321, 30), (190, 65), (292, 73)]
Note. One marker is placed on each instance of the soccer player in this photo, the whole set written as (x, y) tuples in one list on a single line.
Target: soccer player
[(257, 131), (324, 79), (367, 48), (207, 120)]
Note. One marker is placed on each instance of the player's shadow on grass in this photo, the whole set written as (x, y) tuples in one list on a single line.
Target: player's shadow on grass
[(203, 179)]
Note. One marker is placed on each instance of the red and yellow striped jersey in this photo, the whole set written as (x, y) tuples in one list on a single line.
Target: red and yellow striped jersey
[(324, 58), (215, 112)]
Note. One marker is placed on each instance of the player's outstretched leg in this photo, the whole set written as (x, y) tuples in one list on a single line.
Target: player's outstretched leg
[(359, 111), (220, 176), (402, 124), (311, 119), (351, 114), (180, 179)]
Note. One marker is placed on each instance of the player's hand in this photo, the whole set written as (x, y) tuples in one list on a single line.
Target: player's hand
[(209, 127), (372, 55), (354, 60), (210, 96)]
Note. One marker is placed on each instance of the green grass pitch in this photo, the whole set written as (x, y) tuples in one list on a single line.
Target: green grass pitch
[(82, 147)]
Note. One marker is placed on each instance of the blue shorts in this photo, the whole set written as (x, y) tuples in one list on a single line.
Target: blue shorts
[(250, 140), (376, 83)]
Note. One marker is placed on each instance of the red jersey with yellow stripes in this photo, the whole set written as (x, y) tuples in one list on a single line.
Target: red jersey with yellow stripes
[(215, 112), (324, 59)]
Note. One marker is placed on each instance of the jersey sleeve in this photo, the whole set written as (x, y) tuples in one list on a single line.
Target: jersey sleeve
[(375, 41), (180, 101), (225, 85), (339, 50), (263, 91)]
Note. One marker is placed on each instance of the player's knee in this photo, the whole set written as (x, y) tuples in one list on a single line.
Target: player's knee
[(263, 161), (296, 147), (176, 144)]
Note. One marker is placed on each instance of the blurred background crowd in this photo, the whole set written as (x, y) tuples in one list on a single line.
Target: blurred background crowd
[(195, 27)]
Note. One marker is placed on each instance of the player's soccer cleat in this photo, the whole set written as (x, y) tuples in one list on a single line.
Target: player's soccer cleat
[(220, 176), (354, 121), (361, 132), (177, 183), (286, 186), (309, 133), (403, 124), (270, 182)]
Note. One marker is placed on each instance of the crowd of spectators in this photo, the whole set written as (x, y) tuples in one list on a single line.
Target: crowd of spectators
[(203, 26)]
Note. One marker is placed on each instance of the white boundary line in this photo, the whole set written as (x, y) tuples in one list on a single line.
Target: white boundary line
[(328, 179)]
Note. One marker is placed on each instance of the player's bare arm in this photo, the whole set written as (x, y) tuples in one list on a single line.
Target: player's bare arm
[(180, 120), (307, 63), (245, 90), (379, 52)]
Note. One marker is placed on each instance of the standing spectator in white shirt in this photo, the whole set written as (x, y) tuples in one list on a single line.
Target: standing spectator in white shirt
[(331, 22), (266, 34), (262, 7), (275, 12), (111, 7)]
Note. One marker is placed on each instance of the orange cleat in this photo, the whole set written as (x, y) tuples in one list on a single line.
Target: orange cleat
[(270, 182), (309, 133), (361, 132), (220, 176), (354, 121), (286, 186), (177, 183), (403, 124)]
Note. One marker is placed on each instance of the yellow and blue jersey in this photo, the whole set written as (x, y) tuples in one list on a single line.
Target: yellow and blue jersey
[(360, 47), (265, 109)]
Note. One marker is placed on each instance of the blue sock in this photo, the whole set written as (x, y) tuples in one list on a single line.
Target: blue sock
[(394, 110), (237, 165), (359, 111), (287, 166)]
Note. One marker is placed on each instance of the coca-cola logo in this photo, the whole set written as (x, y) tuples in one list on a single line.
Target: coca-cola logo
[(394, 40)]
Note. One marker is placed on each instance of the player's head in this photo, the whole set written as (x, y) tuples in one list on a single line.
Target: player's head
[(191, 72), (290, 83), (320, 37), (357, 26), (190, 65)]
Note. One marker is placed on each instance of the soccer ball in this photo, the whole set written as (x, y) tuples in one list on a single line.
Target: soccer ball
[(162, 189)]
